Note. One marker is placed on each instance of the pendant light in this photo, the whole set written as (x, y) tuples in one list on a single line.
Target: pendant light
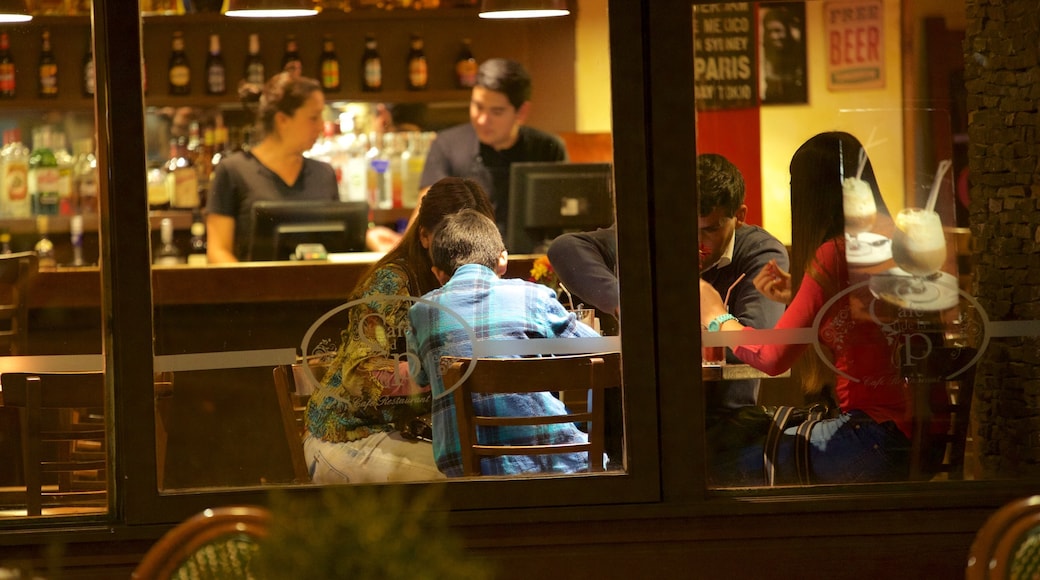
[(269, 8), (14, 11), (523, 8)]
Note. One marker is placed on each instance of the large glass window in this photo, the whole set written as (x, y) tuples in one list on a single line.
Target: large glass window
[(245, 182), (54, 406)]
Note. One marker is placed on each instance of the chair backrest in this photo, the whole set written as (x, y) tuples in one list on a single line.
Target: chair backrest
[(293, 389), (16, 271), (1008, 543), (63, 437), (590, 374), (217, 543), (942, 409)]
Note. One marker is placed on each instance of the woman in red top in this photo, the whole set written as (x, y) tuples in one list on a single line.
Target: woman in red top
[(870, 440)]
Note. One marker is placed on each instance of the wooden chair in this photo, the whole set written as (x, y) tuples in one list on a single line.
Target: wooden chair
[(63, 450), (1008, 543), (217, 543), (16, 271), (293, 389), (590, 374)]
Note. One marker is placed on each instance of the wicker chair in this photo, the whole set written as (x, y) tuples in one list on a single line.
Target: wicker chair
[(1007, 546)]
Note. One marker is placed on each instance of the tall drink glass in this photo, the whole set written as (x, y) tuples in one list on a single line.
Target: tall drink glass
[(860, 213), (919, 247)]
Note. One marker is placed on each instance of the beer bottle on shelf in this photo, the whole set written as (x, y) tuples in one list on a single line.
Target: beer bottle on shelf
[(7, 86), (291, 59), (465, 66), (179, 69), (371, 66), (417, 71), (167, 253), (89, 78), (254, 73), (328, 70), (216, 77), (47, 69)]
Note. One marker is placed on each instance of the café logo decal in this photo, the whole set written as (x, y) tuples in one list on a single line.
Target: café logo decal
[(915, 336), (390, 342)]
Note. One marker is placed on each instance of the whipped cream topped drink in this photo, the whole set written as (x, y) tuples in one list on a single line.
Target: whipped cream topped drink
[(919, 246), (860, 208)]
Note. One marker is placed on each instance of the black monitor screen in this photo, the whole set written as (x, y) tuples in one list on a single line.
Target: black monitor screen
[(549, 199), (280, 226)]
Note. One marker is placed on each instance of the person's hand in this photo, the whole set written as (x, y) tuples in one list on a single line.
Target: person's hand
[(774, 283), (711, 303), (381, 238)]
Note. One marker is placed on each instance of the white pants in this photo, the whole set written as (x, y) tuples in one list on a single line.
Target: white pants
[(378, 458)]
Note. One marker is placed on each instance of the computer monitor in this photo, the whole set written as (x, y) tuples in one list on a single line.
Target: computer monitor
[(280, 226), (549, 199)]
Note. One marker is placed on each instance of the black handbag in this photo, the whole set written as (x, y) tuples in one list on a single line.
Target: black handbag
[(782, 418)]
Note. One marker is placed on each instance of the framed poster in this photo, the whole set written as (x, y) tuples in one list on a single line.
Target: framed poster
[(782, 75), (724, 56), (855, 44)]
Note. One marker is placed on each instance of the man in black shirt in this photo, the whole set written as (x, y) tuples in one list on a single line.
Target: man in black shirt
[(495, 137)]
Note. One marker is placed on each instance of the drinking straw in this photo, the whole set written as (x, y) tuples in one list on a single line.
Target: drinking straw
[(944, 166), (730, 289), (862, 163)]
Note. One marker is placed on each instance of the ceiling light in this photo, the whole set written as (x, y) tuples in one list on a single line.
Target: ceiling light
[(14, 11), (523, 8)]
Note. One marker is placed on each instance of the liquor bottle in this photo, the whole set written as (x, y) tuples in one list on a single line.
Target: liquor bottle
[(465, 66), (179, 69), (85, 176), (412, 160), (291, 61), (44, 246), (76, 238), (5, 242), (182, 183), (7, 84), (216, 77), (167, 252), (66, 203), (14, 177), (355, 173), (371, 66), (220, 146), (89, 79), (43, 174), (197, 249), (417, 71), (254, 72), (47, 69), (329, 66), (158, 194)]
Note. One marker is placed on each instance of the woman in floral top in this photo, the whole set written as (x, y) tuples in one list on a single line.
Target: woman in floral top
[(354, 419)]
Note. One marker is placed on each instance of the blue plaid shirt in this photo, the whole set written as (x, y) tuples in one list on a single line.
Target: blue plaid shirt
[(496, 309)]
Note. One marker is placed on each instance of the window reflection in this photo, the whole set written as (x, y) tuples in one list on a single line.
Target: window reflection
[(883, 300)]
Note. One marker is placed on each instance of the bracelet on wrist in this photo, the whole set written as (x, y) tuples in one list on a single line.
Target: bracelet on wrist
[(716, 324)]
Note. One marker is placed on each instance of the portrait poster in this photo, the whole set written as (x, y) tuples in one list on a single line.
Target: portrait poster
[(782, 74), (724, 56), (855, 44)]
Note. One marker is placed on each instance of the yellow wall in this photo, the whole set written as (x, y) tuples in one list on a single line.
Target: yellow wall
[(592, 69), (874, 116)]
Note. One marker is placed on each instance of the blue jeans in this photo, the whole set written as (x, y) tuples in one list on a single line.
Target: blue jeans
[(851, 448)]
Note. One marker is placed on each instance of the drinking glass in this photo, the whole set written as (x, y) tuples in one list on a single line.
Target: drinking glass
[(919, 247), (860, 213)]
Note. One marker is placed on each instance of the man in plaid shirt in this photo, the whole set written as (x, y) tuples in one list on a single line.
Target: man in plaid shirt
[(468, 257)]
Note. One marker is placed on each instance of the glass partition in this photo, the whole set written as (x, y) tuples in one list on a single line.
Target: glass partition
[(296, 371), (54, 405), (869, 370)]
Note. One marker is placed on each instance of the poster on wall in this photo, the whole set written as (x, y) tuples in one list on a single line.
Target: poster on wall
[(855, 44), (782, 76), (724, 56)]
